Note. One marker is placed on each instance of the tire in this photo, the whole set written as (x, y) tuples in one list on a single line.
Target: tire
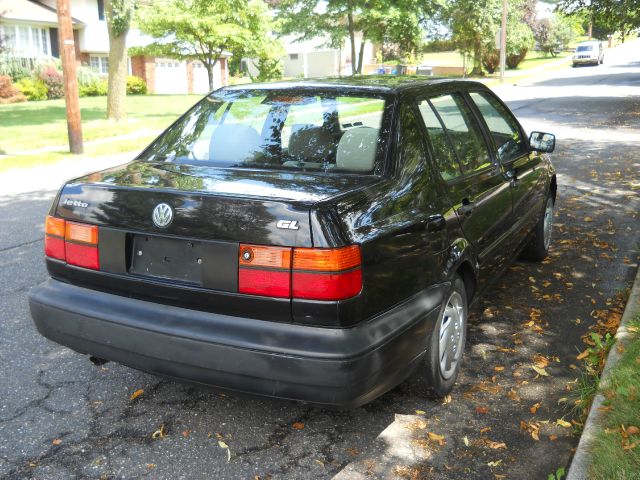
[(538, 247), (441, 368)]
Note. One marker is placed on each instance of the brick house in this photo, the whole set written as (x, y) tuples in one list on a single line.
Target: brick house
[(30, 29)]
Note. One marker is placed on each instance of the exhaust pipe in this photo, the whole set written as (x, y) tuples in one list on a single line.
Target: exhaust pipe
[(97, 361)]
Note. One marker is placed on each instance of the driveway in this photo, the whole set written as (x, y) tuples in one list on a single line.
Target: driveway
[(62, 417)]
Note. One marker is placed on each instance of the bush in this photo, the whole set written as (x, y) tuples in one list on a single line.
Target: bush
[(86, 76), (514, 59), (8, 92), (96, 88), (14, 70), (136, 86), (52, 78), (439, 45), (33, 89), (491, 61)]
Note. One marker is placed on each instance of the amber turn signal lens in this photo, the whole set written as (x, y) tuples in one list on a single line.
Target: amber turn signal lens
[(259, 256), (327, 260), (76, 232), (54, 226)]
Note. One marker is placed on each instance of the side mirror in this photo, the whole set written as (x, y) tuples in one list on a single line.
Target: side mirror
[(542, 142)]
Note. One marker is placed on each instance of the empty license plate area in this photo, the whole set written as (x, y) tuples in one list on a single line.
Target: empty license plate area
[(209, 264)]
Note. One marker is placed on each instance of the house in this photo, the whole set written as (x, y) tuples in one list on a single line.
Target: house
[(313, 58), (30, 29)]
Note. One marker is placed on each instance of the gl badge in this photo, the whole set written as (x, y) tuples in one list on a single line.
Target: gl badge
[(162, 215), (288, 224)]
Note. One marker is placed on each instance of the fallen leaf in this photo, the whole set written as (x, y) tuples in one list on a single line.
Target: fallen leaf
[(319, 462), (534, 435), (553, 438), (151, 466), (499, 368), (298, 425), (633, 430), (563, 423), (540, 371), (159, 433), (446, 399), (497, 463), (57, 441), (465, 439), (513, 395), (136, 394), (584, 354), (496, 445), (482, 410), (221, 444), (352, 451), (420, 412), (535, 408), (630, 446), (186, 433), (436, 438)]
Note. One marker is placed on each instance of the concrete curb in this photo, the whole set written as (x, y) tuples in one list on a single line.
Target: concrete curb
[(579, 469)]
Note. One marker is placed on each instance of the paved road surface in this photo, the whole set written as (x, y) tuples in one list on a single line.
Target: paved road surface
[(61, 417)]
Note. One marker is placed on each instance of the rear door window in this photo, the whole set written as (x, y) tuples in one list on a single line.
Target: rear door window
[(503, 127), (445, 157), (463, 131)]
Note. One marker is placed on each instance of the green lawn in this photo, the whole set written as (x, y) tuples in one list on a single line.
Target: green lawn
[(32, 125), (616, 452)]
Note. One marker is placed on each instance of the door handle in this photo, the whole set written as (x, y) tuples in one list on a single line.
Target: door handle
[(435, 223), (466, 208)]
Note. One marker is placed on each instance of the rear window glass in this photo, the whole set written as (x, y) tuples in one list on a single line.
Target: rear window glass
[(277, 129)]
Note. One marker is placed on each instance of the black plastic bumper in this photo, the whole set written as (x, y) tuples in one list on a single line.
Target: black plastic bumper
[(342, 367)]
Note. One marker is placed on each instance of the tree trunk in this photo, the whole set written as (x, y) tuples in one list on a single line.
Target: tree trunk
[(117, 85), (361, 55), (352, 39), (477, 57), (209, 65)]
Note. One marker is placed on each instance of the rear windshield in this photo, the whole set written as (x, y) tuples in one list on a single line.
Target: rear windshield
[(584, 48), (277, 129)]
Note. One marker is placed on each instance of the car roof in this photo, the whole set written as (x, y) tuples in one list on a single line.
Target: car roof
[(363, 83)]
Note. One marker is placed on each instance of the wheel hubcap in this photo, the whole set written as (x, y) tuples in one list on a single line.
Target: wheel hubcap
[(548, 224), (451, 335)]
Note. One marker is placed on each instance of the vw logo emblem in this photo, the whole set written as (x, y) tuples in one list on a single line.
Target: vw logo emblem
[(162, 215)]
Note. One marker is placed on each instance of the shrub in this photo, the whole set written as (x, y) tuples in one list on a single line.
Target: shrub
[(491, 61), (514, 59), (8, 92), (14, 70), (86, 76), (96, 88), (52, 78), (136, 86), (33, 89)]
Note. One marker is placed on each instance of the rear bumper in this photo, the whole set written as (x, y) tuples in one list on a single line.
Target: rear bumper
[(342, 367), (577, 61)]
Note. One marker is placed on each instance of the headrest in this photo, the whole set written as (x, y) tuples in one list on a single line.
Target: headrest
[(311, 143), (357, 149), (234, 143)]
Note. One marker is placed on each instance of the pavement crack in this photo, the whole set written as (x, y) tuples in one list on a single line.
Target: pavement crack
[(24, 244)]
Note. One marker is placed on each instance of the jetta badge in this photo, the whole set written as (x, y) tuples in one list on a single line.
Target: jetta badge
[(162, 215)]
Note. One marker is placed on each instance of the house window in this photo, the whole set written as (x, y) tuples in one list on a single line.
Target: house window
[(101, 9), (293, 56), (25, 41), (100, 63)]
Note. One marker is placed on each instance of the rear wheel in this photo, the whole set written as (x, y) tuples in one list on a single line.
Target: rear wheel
[(446, 345), (538, 246)]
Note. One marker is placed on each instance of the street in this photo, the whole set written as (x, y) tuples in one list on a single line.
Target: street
[(62, 417)]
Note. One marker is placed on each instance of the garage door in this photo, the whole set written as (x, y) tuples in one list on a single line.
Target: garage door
[(171, 76), (201, 80)]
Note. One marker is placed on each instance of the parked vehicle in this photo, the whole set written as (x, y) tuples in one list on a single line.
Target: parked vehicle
[(317, 240), (591, 53)]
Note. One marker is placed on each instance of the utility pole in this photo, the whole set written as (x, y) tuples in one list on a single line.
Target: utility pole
[(503, 39), (68, 56)]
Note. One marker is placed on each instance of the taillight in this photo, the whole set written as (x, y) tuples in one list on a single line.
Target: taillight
[(264, 271), (75, 243), (327, 274), (305, 273)]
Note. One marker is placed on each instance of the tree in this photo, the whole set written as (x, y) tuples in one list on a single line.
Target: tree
[(118, 22), (609, 16), (377, 21), (554, 34), (205, 29)]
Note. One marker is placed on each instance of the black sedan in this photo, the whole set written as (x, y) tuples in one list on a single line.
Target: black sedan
[(316, 241)]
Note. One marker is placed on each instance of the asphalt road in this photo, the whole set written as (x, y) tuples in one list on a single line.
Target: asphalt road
[(61, 417)]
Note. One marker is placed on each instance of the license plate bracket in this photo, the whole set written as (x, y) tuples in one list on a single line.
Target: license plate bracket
[(167, 258)]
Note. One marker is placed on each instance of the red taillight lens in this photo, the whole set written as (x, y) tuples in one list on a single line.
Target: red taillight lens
[(75, 243), (327, 286), (264, 271), (54, 238), (305, 273)]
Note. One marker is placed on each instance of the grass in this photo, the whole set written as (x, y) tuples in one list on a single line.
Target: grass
[(33, 125), (616, 449)]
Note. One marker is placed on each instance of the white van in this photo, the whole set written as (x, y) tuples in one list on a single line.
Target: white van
[(591, 52)]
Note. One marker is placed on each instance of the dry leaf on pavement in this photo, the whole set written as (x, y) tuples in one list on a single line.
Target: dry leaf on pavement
[(136, 394)]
